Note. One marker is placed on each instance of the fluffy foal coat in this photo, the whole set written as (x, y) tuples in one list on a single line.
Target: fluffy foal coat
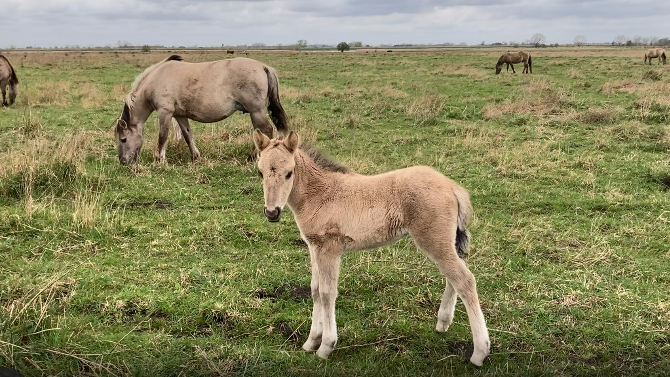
[(8, 78), (511, 58), (205, 92), (337, 210)]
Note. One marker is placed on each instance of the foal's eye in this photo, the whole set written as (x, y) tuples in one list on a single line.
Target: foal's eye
[(123, 139), (289, 175)]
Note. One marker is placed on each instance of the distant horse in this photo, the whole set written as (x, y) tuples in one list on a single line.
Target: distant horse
[(511, 58), (337, 210), (8, 78), (205, 92), (230, 51), (655, 53)]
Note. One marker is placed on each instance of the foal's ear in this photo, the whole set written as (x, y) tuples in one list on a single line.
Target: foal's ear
[(260, 140), (292, 141)]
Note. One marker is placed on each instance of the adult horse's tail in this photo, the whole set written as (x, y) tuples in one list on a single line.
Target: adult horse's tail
[(464, 216), (275, 108), (530, 64), (663, 57), (13, 82)]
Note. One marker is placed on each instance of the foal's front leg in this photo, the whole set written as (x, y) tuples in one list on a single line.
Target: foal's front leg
[(316, 331)]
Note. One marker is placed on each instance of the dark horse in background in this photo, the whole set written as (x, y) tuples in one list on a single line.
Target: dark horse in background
[(8, 78), (511, 58)]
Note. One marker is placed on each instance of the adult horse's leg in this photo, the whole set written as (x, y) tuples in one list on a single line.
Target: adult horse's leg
[(261, 122), (316, 331), (186, 131), (513, 71), (4, 100), (164, 119), (441, 249)]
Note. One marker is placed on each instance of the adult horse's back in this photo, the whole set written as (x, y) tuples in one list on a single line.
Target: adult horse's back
[(205, 92), (8, 78)]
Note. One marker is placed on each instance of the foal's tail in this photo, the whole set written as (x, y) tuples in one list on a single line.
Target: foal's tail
[(663, 57), (275, 108), (464, 217), (13, 81)]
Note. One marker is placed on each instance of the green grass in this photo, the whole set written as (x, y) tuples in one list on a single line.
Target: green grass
[(172, 269)]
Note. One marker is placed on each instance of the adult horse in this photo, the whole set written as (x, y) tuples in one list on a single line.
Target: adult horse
[(8, 78), (655, 53), (337, 210), (205, 92), (511, 58)]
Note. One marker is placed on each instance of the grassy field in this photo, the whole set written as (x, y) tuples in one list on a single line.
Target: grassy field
[(172, 269)]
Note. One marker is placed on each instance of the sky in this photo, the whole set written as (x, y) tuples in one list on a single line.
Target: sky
[(49, 23)]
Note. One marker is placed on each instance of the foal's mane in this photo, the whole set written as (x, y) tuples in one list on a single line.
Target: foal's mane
[(324, 161), (140, 78)]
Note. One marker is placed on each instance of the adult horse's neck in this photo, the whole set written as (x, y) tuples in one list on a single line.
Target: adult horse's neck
[(311, 182)]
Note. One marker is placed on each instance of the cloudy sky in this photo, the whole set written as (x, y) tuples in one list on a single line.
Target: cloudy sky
[(48, 23)]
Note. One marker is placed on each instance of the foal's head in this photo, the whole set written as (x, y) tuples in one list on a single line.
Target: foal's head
[(128, 138), (276, 164)]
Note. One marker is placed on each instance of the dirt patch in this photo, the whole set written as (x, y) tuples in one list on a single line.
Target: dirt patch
[(142, 204), (290, 334), (293, 292)]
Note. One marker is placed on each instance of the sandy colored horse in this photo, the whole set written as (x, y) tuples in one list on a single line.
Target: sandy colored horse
[(338, 210), (511, 58), (655, 53), (8, 78), (205, 92)]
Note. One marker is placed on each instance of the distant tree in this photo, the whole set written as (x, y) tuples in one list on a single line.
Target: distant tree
[(302, 43), (356, 44), (637, 40), (537, 39), (645, 41), (580, 40), (343, 46), (629, 43), (146, 48), (663, 42), (620, 40), (483, 43), (653, 41)]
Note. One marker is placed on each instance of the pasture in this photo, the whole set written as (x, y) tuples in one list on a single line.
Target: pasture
[(172, 269)]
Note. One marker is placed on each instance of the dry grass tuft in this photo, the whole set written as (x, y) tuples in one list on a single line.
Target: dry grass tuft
[(627, 85), (537, 98), (426, 108), (602, 115), (91, 96), (86, 208), (574, 73), (50, 93)]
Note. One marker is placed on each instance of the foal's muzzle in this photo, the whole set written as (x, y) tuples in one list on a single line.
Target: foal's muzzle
[(272, 215)]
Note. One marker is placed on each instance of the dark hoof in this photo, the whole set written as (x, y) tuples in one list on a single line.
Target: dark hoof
[(468, 353)]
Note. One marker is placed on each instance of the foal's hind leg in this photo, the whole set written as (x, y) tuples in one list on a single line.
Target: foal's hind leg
[(186, 131), (4, 100), (440, 247), (446, 313)]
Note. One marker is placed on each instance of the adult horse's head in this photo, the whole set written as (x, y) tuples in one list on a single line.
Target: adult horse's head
[(276, 164), (498, 68), (128, 138)]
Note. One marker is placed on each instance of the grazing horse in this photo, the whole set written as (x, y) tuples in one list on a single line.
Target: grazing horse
[(511, 58), (337, 210), (655, 53), (230, 52), (8, 78), (205, 92)]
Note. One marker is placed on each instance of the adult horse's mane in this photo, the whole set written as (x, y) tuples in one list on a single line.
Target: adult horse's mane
[(140, 78), (324, 161)]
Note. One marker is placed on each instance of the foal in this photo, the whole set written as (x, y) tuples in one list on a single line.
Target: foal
[(337, 210)]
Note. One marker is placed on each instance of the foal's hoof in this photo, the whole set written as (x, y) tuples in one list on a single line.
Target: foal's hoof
[(324, 352), (311, 345), (477, 358), (195, 157)]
